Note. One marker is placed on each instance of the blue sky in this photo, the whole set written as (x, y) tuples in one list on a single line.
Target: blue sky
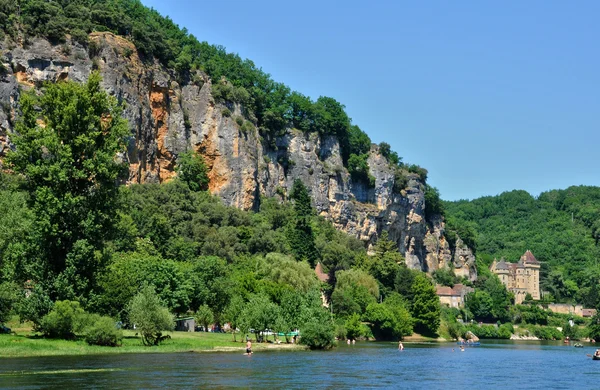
[(487, 96)]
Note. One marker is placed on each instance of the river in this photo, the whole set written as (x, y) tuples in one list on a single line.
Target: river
[(493, 365)]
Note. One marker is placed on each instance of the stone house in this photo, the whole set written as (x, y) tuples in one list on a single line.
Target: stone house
[(453, 296), (520, 278)]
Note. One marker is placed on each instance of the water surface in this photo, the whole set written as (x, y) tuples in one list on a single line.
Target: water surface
[(494, 365)]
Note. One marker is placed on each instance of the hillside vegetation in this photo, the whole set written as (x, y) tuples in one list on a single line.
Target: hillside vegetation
[(560, 227)]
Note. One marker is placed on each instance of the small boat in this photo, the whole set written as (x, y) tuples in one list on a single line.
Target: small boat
[(469, 343), (594, 357), (578, 345)]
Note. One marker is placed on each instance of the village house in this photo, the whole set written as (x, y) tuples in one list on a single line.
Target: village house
[(520, 278), (453, 296)]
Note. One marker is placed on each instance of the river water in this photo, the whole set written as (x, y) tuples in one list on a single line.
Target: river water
[(493, 365)]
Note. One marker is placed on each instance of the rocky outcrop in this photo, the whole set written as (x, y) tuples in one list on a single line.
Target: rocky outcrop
[(168, 116)]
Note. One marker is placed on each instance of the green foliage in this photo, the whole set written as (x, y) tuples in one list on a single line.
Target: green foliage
[(490, 331), (71, 173), (390, 319), (9, 298), (425, 307), (192, 171), (318, 335), (260, 313), (353, 292), (284, 270), (64, 321), (35, 306), (390, 155), (422, 172), (359, 169), (103, 331), (150, 317), (445, 277), (593, 329), (558, 227), (204, 316), (386, 262), (300, 235), (433, 203)]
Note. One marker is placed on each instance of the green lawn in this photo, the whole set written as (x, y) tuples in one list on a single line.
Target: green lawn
[(25, 343)]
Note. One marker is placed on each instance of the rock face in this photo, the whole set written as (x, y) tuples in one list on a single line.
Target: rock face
[(168, 117)]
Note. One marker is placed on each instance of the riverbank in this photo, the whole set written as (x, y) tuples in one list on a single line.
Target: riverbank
[(25, 344)]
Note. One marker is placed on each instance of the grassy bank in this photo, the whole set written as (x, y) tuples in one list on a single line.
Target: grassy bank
[(25, 343)]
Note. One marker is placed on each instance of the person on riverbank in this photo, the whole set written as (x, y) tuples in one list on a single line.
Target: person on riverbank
[(249, 348), (400, 346)]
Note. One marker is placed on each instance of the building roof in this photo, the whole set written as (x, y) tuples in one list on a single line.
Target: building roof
[(458, 290), (502, 265), (588, 312), (528, 257), (322, 276)]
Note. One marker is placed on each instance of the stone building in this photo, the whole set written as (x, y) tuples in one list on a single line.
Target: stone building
[(453, 296), (520, 278)]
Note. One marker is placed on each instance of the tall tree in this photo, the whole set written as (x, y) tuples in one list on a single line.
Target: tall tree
[(69, 150), (425, 306), (301, 236)]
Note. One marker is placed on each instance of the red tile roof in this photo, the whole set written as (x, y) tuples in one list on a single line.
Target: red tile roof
[(529, 257)]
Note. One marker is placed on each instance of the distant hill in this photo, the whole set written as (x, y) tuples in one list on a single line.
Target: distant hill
[(561, 227)]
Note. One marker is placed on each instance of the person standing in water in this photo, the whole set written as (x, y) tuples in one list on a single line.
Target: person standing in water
[(248, 347), (400, 346)]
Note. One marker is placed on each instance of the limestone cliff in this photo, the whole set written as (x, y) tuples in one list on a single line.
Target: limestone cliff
[(168, 116)]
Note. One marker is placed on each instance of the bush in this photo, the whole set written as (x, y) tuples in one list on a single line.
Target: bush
[(65, 319), (150, 316), (226, 112), (103, 332), (79, 36), (318, 335), (9, 297)]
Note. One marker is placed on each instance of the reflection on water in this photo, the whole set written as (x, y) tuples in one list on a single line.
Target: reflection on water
[(523, 365)]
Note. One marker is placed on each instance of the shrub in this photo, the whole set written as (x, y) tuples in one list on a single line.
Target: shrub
[(79, 36), (226, 112), (65, 319), (127, 52), (192, 171), (103, 332), (150, 316), (318, 335), (247, 127), (239, 120)]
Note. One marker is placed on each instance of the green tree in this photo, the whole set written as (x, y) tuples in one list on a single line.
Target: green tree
[(386, 262), (9, 298), (65, 320), (192, 171), (204, 316), (68, 153), (300, 236), (425, 306), (233, 313), (260, 313), (593, 328), (149, 316), (481, 305), (318, 335), (390, 319)]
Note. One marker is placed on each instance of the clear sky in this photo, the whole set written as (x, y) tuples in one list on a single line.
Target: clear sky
[(487, 96)]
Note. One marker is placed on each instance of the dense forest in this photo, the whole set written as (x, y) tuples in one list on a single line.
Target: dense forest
[(560, 227)]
